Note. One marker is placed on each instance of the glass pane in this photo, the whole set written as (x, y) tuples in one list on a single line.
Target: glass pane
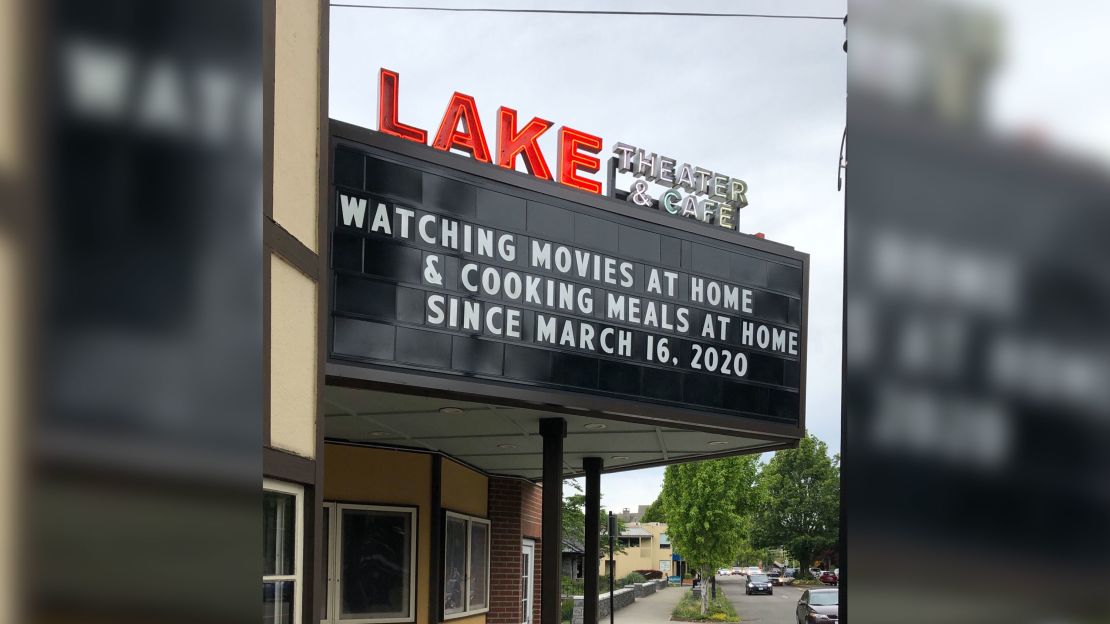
[(479, 565), (325, 554), (278, 533), (376, 563), (454, 577), (277, 602)]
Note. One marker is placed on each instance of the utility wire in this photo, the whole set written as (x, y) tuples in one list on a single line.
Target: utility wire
[(586, 12)]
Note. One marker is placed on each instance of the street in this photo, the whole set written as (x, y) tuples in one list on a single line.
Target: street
[(777, 608)]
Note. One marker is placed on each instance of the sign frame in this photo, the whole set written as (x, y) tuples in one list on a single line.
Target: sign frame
[(520, 393)]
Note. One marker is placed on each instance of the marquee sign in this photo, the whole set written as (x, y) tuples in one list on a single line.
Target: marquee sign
[(461, 129), (461, 271)]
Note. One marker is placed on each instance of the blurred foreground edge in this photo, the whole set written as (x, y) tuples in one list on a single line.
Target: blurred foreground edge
[(976, 430), (130, 275)]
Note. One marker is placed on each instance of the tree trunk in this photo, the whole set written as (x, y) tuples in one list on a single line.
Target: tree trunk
[(704, 596)]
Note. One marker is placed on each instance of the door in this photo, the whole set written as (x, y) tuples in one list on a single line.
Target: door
[(527, 566)]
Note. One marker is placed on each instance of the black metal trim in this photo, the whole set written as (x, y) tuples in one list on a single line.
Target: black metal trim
[(553, 400), (436, 559)]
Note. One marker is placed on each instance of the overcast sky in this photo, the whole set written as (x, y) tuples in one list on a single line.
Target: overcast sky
[(762, 100)]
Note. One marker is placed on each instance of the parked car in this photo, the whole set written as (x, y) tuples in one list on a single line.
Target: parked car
[(737, 570), (829, 578), (759, 584), (819, 606), (724, 572), (790, 572), (776, 578), (815, 572), (750, 570)]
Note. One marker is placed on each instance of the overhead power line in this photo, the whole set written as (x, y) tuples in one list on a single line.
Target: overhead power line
[(586, 12)]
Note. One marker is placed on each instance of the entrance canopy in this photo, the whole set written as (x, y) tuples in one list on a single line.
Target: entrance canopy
[(504, 440)]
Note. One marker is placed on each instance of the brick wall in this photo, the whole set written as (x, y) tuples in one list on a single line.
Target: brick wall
[(515, 512), (531, 506)]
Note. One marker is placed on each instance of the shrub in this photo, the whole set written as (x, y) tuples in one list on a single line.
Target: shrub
[(567, 610), (572, 587), (634, 577), (689, 609), (577, 587)]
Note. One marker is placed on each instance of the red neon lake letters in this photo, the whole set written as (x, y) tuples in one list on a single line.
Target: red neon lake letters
[(461, 129)]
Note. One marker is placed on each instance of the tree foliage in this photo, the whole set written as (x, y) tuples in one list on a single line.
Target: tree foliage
[(798, 506), (574, 521), (654, 512), (705, 504)]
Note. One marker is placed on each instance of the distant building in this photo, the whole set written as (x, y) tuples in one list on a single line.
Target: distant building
[(574, 556), (627, 516), (646, 547)]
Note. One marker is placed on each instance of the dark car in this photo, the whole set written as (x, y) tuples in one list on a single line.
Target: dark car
[(759, 584), (776, 578), (829, 578), (819, 606)]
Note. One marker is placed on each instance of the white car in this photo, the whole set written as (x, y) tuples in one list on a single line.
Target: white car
[(723, 572)]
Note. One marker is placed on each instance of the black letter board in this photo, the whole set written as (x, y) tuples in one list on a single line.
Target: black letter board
[(492, 282)]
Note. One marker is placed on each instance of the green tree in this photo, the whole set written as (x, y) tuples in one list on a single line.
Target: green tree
[(654, 512), (574, 521), (799, 502), (705, 504)]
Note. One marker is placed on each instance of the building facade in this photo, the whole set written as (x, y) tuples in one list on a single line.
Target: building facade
[(423, 407), (646, 546)]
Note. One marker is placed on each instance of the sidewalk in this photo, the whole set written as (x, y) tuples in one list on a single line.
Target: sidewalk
[(653, 609)]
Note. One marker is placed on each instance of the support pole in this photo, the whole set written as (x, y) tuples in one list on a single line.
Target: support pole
[(553, 430), (612, 564), (592, 466)]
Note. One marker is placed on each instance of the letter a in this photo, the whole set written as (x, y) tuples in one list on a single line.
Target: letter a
[(470, 139)]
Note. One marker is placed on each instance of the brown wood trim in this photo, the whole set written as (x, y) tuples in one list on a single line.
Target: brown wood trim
[(293, 251), (269, 27), (288, 467), (266, 426), (315, 580)]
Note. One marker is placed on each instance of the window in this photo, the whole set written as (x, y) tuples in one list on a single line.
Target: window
[(465, 565), (527, 563), (282, 509), (370, 561)]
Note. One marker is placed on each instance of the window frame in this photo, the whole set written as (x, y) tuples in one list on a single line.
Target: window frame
[(528, 593), (297, 492), (333, 582), (469, 521)]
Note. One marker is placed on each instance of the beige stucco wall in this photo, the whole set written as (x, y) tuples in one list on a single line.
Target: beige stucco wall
[(297, 118), (647, 556), (463, 490), (292, 359)]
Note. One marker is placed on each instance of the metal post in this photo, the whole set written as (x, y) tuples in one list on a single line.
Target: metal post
[(612, 565), (553, 431), (592, 466)]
